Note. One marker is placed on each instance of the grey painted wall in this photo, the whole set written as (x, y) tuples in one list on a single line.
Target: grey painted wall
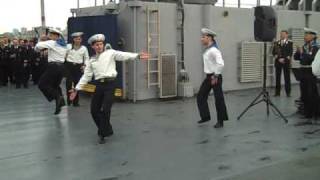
[(168, 42)]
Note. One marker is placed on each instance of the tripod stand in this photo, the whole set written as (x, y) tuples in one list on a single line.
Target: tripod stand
[(264, 93)]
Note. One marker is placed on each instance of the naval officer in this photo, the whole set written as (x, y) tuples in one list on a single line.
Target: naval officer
[(76, 57), (308, 82), (50, 80), (213, 67), (103, 67), (282, 52)]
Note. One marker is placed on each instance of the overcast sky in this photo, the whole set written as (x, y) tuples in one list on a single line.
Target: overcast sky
[(26, 13)]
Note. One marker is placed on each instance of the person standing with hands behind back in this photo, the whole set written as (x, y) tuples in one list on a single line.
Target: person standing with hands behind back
[(76, 57), (213, 66), (103, 67), (282, 51)]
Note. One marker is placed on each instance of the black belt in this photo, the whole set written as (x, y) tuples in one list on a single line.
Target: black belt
[(76, 64), (213, 74), (102, 80), (56, 63)]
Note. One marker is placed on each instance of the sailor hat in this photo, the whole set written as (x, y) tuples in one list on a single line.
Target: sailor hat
[(207, 31), (96, 38), (76, 34), (55, 31), (310, 31)]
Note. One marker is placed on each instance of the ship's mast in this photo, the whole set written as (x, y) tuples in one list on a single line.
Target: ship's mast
[(43, 17)]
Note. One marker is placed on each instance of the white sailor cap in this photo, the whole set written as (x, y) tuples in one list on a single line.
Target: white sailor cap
[(55, 31), (207, 31), (76, 34), (95, 38), (310, 31)]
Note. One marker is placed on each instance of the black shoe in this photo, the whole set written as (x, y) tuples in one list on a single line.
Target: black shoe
[(101, 140), (203, 121), (218, 125), (276, 95), (288, 95), (109, 133)]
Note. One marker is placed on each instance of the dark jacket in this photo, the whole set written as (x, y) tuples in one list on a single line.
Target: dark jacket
[(5, 55), (309, 52), (282, 51)]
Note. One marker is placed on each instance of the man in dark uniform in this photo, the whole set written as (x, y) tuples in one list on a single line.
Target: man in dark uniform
[(213, 66), (16, 53), (282, 51), (308, 86), (26, 62), (5, 61), (43, 61), (1, 59), (19, 55), (34, 62)]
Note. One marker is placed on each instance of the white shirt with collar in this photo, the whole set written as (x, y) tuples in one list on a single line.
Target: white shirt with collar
[(78, 56), (104, 66), (56, 53), (283, 41), (213, 62)]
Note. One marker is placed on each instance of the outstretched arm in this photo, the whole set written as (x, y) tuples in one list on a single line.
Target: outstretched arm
[(43, 45), (125, 56)]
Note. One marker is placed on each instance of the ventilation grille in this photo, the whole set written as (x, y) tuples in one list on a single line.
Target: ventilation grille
[(251, 62), (168, 80), (297, 36)]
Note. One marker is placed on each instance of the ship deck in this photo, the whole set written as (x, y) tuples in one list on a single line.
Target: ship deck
[(154, 140)]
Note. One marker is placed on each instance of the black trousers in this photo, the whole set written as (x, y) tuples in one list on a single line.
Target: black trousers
[(287, 82), (10, 71), (309, 93), (50, 81), (21, 74), (202, 100), (36, 72), (73, 74), (101, 104), (3, 74)]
